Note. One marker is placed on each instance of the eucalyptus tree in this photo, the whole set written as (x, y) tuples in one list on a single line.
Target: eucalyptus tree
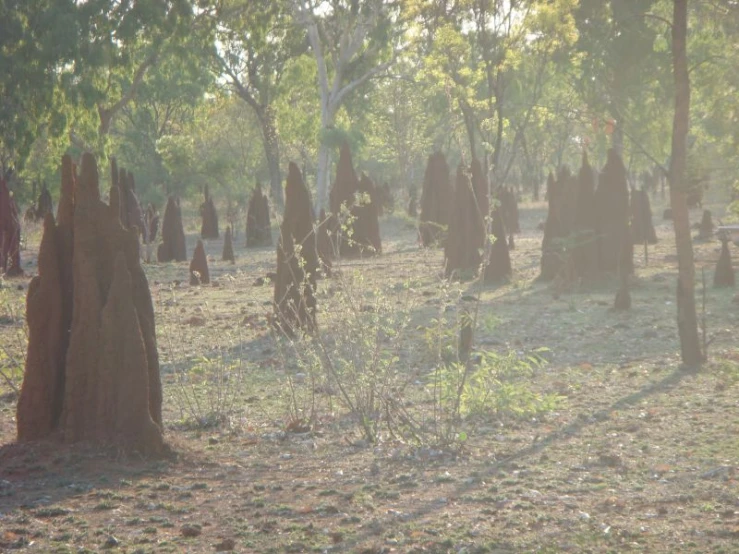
[(687, 321), (119, 44), (37, 39), (352, 42), (257, 39), (494, 59), (620, 63), (166, 104)]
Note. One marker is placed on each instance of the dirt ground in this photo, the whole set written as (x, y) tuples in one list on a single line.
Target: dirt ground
[(638, 456)]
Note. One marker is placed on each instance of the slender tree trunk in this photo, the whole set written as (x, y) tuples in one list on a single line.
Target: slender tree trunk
[(353, 37), (272, 153), (687, 321), (106, 118), (499, 131), (324, 155), (322, 177), (469, 123)]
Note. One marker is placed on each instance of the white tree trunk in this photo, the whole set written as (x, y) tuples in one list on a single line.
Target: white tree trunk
[(332, 95), (323, 175), (322, 179)]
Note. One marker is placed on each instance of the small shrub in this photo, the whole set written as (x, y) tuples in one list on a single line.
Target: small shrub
[(208, 391)]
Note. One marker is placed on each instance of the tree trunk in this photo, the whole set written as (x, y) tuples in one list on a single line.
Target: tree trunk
[(687, 321), (498, 132), (106, 118), (322, 178), (272, 153), (469, 123), (328, 111)]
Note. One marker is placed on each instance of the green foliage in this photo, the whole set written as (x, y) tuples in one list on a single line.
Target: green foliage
[(210, 390), (490, 384), (734, 206), (207, 393), (501, 386), (358, 362), (526, 84), (37, 37), (214, 148), (298, 116), (166, 105), (727, 370), (334, 137)]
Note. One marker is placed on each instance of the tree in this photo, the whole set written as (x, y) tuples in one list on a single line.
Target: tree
[(120, 43), (687, 321), (619, 59), (216, 147), (494, 60), (355, 35), (257, 39), (37, 38), (166, 105), (408, 121)]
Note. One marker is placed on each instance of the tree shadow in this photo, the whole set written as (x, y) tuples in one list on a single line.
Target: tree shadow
[(562, 434)]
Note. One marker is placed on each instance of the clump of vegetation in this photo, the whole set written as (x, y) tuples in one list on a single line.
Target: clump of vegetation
[(360, 364)]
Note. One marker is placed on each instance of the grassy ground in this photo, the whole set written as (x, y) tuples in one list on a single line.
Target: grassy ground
[(634, 455)]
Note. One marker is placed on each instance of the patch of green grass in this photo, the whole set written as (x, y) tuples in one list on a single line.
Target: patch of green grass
[(106, 505), (51, 511)]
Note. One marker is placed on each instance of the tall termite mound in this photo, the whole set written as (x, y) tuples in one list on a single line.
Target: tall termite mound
[(497, 266), (92, 368), (642, 228), (462, 251), (612, 205), (356, 225), (44, 203), (508, 209), (228, 247), (258, 225), (199, 273), (172, 247), (585, 250), (123, 198), (209, 226), (705, 228), (724, 273), (10, 233), (297, 260), (554, 229), (435, 200), (367, 213)]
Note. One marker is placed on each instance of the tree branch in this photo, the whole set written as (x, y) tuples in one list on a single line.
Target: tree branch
[(107, 114), (350, 87), (241, 90)]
